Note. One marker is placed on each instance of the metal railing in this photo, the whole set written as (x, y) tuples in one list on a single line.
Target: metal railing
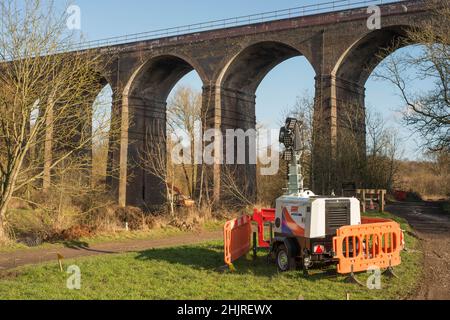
[(306, 10)]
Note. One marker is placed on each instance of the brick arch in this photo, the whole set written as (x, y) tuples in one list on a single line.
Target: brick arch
[(250, 65), (144, 120), (163, 72), (346, 104), (235, 103), (358, 62)]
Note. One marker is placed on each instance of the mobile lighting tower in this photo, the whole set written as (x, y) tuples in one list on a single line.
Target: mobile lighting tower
[(305, 224)]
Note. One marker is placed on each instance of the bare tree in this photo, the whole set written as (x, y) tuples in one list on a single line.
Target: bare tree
[(156, 161), (45, 122), (184, 122), (376, 133), (383, 153), (188, 118), (377, 168), (236, 186), (427, 112)]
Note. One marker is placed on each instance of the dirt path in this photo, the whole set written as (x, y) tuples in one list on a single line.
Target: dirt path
[(433, 228), (26, 257)]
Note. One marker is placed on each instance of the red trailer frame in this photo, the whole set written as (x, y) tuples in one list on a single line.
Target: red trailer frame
[(261, 217)]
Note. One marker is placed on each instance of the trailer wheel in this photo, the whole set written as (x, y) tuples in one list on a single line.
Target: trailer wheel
[(285, 261)]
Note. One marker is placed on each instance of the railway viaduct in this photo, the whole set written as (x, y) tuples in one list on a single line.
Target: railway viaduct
[(231, 62)]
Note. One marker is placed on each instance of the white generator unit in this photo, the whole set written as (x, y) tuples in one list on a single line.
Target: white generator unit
[(314, 217)]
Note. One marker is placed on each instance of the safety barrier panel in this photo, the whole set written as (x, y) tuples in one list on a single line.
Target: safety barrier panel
[(237, 234), (368, 220), (261, 217), (361, 247)]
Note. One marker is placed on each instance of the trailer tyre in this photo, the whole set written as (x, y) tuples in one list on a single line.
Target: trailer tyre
[(285, 261)]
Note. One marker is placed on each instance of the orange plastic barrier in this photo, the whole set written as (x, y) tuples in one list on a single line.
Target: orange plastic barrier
[(237, 234), (368, 245)]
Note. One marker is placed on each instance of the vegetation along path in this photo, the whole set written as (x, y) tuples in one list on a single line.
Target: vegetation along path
[(80, 249), (432, 225)]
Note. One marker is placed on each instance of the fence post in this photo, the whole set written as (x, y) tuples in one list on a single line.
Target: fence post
[(255, 246)]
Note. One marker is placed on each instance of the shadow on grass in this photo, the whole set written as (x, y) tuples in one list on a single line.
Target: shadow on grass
[(211, 258), (74, 244), (199, 257)]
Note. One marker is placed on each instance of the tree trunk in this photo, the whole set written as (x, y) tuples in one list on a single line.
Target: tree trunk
[(7, 193), (3, 235), (48, 149)]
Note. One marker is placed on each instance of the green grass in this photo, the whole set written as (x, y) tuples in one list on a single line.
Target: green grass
[(190, 272)]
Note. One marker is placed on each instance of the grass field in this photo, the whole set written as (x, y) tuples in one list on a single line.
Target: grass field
[(190, 272)]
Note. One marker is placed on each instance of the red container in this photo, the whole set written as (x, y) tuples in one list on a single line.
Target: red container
[(400, 195)]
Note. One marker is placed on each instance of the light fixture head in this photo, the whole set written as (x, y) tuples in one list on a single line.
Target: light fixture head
[(290, 123)]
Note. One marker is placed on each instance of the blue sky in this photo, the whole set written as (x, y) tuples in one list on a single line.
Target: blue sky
[(108, 18)]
